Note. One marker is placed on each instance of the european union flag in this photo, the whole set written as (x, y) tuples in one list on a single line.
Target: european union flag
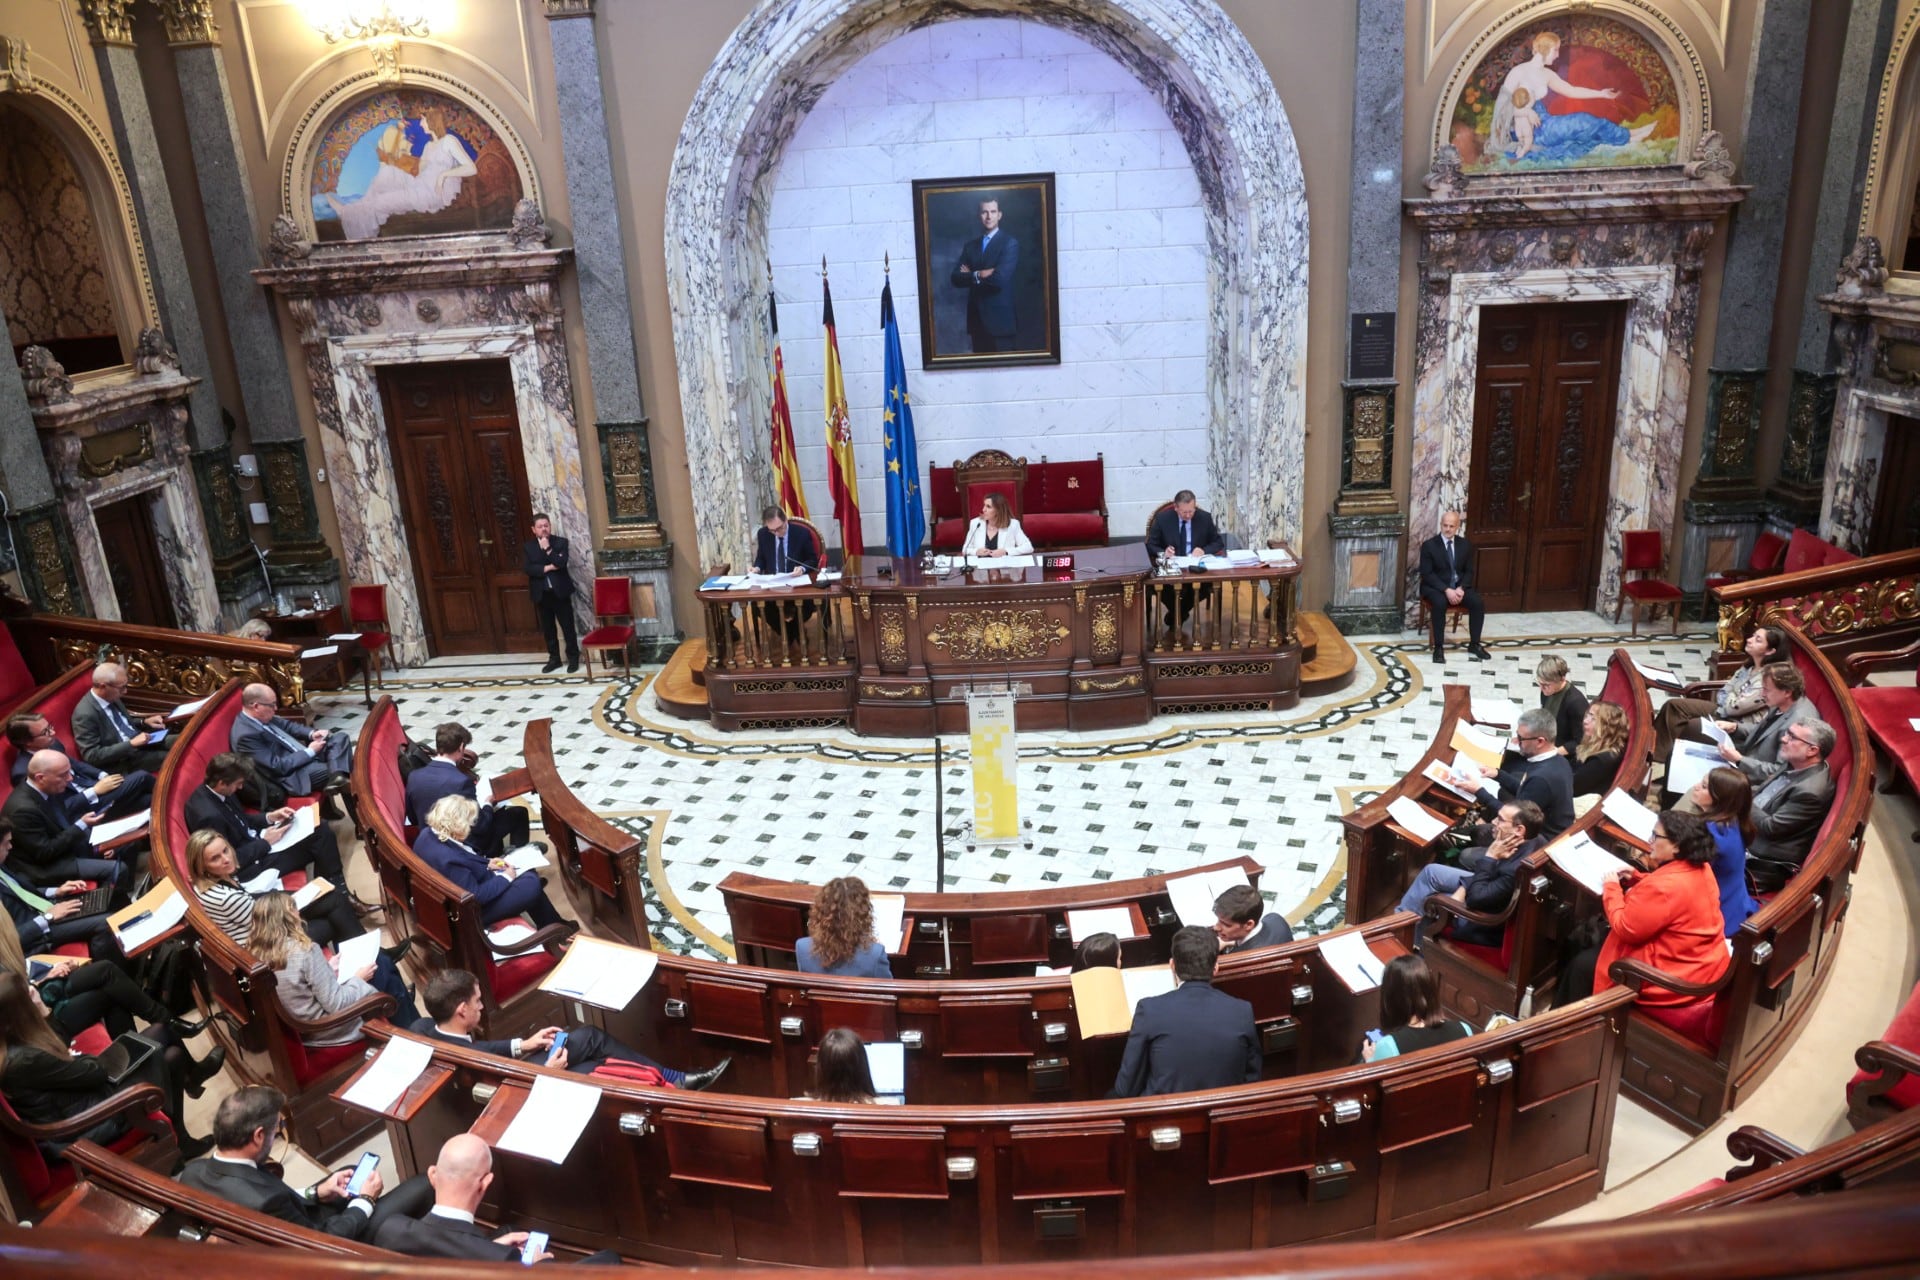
[(906, 515)]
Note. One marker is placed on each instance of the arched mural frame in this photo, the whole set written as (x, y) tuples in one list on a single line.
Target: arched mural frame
[(309, 128), (1215, 91), (1683, 60), (97, 163), (1893, 157)]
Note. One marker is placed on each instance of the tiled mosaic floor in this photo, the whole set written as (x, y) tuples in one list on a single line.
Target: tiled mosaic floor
[(1171, 794)]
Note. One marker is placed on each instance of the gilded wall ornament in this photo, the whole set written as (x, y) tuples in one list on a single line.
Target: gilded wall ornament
[(893, 640), (998, 635), (108, 21), (188, 22), (1106, 630)]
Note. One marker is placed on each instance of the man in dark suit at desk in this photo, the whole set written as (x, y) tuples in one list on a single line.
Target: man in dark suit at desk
[(544, 557), (460, 1179), (1446, 582), (498, 828), (108, 735), (301, 760), (781, 547), (50, 844), (1789, 809), (1193, 1037), (46, 914), (1242, 922), (244, 1129), (987, 270), (215, 806), (1183, 529), (113, 794)]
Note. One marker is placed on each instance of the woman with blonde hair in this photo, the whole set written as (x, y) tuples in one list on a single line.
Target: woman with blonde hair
[(994, 532), (307, 986), (214, 867), (1596, 760), (840, 937), (442, 845)]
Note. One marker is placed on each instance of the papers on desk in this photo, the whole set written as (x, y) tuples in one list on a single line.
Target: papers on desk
[(1215, 564), (186, 709), (163, 908), (304, 896), (1479, 746), (1629, 815), (1584, 860), (1104, 998), (323, 651), (1490, 710), (1242, 557), (351, 955), (506, 936), (525, 858), (1193, 894), (391, 1074), (1349, 956), (1419, 821), (345, 636), (1083, 924), (305, 821), (889, 921), (1658, 675), (1004, 562), (605, 974), (723, 581), (887, 1064), (826, 575), (106, 831), (266, 882), (1275, 555), (1715, 734), (1690, 762), (1437, 771), (551, 1120), (776, 581)]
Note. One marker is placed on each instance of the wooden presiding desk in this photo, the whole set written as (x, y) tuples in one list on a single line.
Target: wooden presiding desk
[(891, 647)]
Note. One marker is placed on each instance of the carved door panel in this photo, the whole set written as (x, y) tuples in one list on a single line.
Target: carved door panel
[(458, 461), (1544, 403), (1896, 508), (133, 561)]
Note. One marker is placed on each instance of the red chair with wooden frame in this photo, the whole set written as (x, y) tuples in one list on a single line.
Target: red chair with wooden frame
[(1642, 552), (1768, 554), (612, 600), (367, 603)]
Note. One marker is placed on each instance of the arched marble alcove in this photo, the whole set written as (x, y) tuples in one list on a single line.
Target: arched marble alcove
[(1218, 96)]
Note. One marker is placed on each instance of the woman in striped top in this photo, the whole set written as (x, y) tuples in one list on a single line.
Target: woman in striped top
[(329, 918)]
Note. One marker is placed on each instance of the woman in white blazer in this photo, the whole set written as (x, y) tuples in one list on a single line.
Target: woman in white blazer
[(994, 532)]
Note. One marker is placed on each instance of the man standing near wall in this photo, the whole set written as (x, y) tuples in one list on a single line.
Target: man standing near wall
[(544, 558)]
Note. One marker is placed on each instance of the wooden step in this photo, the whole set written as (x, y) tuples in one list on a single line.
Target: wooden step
[(1327, 661), (680, 687)]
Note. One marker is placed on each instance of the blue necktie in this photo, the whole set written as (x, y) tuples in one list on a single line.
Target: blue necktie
[(1186, 539)]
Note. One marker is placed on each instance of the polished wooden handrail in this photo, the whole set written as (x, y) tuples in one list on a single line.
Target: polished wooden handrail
[(1853, 604), (161, 663)]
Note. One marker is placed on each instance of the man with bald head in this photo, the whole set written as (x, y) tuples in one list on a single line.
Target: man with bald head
[(1446, 582), (108, 735), (50, 845), (303, 760), (460, 1178)]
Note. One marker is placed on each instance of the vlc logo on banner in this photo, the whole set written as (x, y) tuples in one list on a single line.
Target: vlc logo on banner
[(995, 753)]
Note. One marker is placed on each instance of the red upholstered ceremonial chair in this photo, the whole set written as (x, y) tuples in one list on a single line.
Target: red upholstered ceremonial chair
[(367, 603), (818, 540), (612, 599), (1768, 554), (1641, 552)]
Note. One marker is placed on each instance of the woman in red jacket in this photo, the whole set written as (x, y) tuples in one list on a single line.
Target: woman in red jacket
[(1668, 918)]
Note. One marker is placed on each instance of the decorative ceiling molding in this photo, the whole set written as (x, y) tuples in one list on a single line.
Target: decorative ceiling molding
[(188, 22), (108, 21), (1714, 16), (1890, 81), (16, 69)]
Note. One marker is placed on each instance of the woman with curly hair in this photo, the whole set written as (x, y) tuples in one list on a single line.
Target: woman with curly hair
[(1596, 759), (840, 937)]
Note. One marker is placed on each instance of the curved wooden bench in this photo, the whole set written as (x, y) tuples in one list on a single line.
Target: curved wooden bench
[(1381, 863), (599, 863), (1887, 1152)]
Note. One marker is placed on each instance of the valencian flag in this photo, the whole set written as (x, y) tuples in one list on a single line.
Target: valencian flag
[(841, 480), (786, 469), (906, 517)]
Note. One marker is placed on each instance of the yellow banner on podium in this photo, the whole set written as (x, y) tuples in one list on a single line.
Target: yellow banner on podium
[(996, 758)]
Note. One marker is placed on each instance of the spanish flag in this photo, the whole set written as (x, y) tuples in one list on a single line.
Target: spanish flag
[(841, 480), (786, 469)]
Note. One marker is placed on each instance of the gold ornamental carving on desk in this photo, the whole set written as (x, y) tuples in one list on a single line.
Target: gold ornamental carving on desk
[(1004, 635), (893, 640), (1106, 629)]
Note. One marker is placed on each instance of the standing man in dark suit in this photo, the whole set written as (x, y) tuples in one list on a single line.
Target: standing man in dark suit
[(1241, 921), (300, 759), (1788, 810), (1183, 529), (1193, 1037), (50, 846), (108, 735), (498, 828), (244, 1129), (544, 557), (1446, 581), (986, 270), (114, 794)]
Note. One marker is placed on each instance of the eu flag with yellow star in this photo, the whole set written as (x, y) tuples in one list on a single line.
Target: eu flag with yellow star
[(906, 516)]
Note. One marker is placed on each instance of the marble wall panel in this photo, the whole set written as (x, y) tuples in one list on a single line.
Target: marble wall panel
[(1226, 124)]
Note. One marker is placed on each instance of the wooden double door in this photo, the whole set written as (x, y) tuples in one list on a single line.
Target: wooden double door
[(1896, 508), (131, 541), (457, 456), (1543, 410)]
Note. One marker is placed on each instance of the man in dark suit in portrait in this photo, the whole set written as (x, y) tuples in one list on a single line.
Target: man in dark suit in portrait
[(986, 271), (460, 1179), (108, 735), (1193, 1037), (544, 557), (244, 1129), (1789, 808), (1183, 529), (1446, 582)]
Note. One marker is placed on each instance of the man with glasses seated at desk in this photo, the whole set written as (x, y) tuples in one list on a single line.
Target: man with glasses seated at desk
[(1790, 808), (300, 759), (1541, 774), (114, 794), (108, 735)]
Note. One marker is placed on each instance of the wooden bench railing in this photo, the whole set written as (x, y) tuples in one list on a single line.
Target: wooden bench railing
[(987, 934), (1381, 863), (599, 863), (1884, 1153), (1507, 1127), (1870, 603)]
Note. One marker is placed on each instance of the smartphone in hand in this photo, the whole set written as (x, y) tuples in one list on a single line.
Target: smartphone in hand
[(535, 1246), (361, 1172), (559, 1043)]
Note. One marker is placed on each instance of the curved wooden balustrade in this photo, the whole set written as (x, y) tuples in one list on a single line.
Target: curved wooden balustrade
[(1886, 1153), (1869, 603), (599, 863), (996, 933)]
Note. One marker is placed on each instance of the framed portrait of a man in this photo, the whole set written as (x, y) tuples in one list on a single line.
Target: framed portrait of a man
[(989, 277)]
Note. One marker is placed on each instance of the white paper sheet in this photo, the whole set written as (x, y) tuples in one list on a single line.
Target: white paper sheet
[(1657, 675), (1242, 556), (266, 882), (605, 974), (551, 1120), (1215, 564), (826, 575), (1690, 762), (506, 936), (1715, 734), (169, 912), (392, 1072), (1486, 709), (345, 636), (776, 581), (1914, 724), (1437, 771), (524, 859), (1003, 562), (1083, 924), (1629, 814), (1349, 956), (1275, 555), (186, 709), (105, 831), (303, 896), (1584, 860), (355, 954), (320, 651), (1193, 895), (1154, 980), (1409, 814), (305, 821), (887, 1062), (889, 920)]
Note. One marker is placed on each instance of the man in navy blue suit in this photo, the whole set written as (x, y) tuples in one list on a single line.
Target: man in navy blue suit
[(1446, 582), (1193, 1037), (116, 794), (986, 271), (498, 828)]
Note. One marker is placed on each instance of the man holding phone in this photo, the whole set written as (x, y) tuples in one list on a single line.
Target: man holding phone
[(460, 1179), (244, 1130)]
